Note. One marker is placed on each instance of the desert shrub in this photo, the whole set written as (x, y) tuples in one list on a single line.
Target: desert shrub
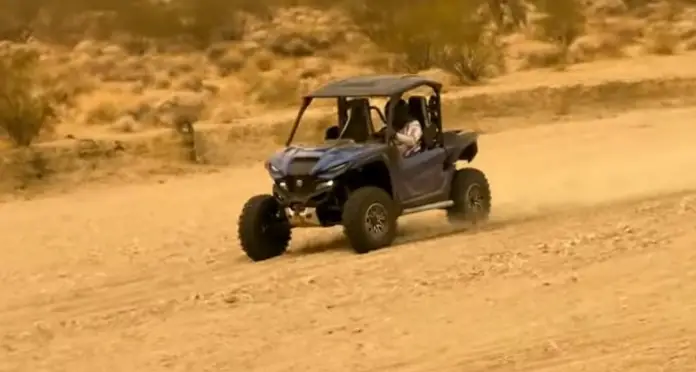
[(593, 46), (274, 88), (16, 17), (398, 28), (197, 21), (538, 54), (24, 108), (636, 4), (458, 38), (661, 39), (472, 53), (509, 14), (563, 21)]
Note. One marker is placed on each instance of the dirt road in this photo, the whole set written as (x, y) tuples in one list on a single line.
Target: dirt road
[(589, 264)]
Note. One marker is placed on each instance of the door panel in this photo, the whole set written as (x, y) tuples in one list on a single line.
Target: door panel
[(423, 173)]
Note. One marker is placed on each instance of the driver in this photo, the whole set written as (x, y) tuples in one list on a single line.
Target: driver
[(408, 130)]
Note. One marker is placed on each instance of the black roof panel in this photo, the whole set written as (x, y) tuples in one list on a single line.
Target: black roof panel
[(373, 86)]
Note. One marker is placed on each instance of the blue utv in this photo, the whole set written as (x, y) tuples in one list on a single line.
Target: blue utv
[(357, 177)]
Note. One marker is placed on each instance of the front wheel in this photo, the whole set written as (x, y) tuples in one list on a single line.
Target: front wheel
[(263, 230), (471, 194), (369, 219)]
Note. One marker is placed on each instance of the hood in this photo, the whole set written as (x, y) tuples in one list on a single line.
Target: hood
[(324, 156)]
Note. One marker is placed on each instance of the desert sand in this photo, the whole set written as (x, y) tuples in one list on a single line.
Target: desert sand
[(128, 260), (588, 264)]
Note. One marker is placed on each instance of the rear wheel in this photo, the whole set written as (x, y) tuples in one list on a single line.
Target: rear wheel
[(263, 230), (369, 219), (471, 194)]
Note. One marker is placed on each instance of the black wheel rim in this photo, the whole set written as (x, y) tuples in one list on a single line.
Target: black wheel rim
[(271, 221), (376, 220), (475, 199)]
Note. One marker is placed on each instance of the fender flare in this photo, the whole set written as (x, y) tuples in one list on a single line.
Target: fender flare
[(469, 152), (466, 148)]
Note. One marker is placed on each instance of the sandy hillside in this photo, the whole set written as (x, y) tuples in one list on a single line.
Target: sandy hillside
[(588, 264), (108, 70)]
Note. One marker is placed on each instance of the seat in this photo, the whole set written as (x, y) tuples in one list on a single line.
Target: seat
[(418, 108), (358, 121), (332, 132)]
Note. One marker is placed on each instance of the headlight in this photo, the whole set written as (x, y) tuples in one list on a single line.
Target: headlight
[(325, 185), (272, 168)]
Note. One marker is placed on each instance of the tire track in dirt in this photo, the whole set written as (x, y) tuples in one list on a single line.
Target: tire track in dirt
[(388, 274), (623, 335), (545, 355), (579, 168), (147, 291), (421, 292), (126, 301)]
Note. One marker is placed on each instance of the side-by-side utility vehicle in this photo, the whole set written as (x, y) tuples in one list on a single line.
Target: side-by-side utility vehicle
[(357, 176)]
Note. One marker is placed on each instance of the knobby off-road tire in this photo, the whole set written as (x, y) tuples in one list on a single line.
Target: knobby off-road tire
[(263, 230), (369, 219), (471, 194)]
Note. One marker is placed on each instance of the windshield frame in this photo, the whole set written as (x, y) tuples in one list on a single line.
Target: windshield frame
[(340, 107), (341, 103)]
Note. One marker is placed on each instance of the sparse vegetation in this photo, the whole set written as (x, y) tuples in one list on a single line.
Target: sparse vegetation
[(660, 39), (463, 41), (196, 21), (561, 23), (24, 109), (124, 65)]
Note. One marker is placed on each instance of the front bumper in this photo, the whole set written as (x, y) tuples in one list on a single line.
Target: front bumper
[(302, 191), (306, 217), (301, 196)]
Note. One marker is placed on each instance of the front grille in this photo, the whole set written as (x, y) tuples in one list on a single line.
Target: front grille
[(301, 166), (301, 185)]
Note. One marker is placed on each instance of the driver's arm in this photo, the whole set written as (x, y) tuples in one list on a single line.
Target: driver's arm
[(412, 136)]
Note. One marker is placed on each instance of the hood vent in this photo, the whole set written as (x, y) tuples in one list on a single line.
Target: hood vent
[(301, 166)]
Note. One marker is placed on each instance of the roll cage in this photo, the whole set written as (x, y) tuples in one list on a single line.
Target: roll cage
[(354, 120)]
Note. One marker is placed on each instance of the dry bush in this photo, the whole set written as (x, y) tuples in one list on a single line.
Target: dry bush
[(537, 54), (66, 85), (103, 112), (661, 39), (509, 14), (592, 47), (606, 8), (274, 88), (397, 28), (671, 22), (198, 22), (478, 56), (226, 57), (461, 41), (24, 109), (16, 18), (635, 4), (471, 48), (651, 5), (626, 29), (563, 21)]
